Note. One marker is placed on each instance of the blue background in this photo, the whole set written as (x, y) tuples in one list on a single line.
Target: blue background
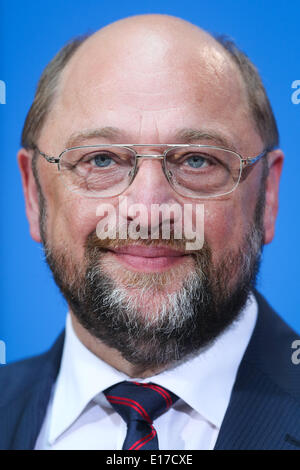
[(32, 310)]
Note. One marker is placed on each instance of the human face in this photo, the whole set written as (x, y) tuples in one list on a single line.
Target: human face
[(148, 96), (150, 108)]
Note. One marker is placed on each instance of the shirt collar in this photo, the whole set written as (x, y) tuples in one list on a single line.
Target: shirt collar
[(204, 381)]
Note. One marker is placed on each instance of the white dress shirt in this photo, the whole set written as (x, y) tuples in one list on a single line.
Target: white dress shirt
[(79, 416)]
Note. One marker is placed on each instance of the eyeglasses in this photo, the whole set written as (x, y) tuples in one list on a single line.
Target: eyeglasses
[(195, 171)]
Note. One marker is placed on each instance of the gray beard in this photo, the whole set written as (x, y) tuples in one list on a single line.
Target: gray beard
[(183, 323)]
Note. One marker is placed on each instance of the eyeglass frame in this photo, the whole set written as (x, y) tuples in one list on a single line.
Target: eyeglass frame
[(244, 162)]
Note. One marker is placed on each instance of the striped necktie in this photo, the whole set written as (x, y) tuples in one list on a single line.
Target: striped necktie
[(139, 405)]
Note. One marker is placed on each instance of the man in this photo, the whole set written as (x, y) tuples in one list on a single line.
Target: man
[(152, 111)]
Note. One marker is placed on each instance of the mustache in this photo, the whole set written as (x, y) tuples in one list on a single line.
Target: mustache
[(94, 242)]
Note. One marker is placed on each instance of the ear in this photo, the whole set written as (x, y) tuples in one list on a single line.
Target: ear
[(30, 192), (275, 162)]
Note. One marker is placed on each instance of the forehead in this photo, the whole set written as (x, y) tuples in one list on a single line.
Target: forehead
[(151, 64), (149, 84)]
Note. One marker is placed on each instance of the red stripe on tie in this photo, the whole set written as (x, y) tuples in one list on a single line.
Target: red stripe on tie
[(150, 438), (141, 440), (160, 390), (132, 404), (163, 393), (145, 439)]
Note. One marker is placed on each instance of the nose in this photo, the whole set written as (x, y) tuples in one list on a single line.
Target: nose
[(150, 189)]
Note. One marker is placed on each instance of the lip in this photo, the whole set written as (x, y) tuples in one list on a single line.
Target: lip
[(148, 251), (148, 259)]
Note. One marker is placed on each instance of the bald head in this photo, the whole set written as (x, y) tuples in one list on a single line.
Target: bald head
[(151, 38), (146, 56), (134, 73), (153, 44)]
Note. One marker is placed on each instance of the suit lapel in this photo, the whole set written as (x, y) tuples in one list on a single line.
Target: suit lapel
[(32, 406), (264, 409), (259, 416)]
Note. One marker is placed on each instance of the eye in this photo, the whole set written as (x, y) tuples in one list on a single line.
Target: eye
[(102, 160), (197, 161)]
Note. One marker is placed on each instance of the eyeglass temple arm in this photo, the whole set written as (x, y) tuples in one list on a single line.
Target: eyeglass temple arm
[(248, 163), (47, 157), (251, 161)]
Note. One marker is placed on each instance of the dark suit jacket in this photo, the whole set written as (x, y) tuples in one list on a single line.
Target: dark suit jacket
[(263, 412)]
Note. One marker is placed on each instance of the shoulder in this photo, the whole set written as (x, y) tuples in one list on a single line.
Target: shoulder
[(264, 408), (271, 327), (271, 349), (22, 376)]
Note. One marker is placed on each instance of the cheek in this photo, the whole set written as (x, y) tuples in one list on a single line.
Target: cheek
[(218, 225), (70, 220), (225, 226), (228, 221)]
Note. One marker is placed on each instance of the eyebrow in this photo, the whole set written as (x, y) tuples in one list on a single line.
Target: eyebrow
[(183, 136), (190, 136), (77, 138)]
